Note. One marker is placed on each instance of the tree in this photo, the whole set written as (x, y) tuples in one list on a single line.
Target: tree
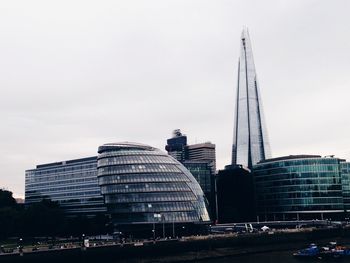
[(6, 199), (44, 218), (9, 218), (10, 213)]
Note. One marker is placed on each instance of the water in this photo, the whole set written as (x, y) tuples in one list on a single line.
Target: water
[(267, 257)]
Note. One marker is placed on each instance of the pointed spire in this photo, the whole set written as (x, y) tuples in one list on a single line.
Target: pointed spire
[(245, 33), (250, 143)]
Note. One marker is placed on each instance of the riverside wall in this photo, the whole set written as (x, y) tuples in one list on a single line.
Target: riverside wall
[(189, 249)]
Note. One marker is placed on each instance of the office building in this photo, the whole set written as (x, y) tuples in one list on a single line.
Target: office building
[(301, 187), (203, 172), (235, 195), (200, 160), (142, 186), (345, 178), (250, 141), (204, 152), (176, 146), (73, 184)]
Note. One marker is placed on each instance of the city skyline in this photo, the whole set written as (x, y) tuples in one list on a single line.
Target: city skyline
[(78, 75)]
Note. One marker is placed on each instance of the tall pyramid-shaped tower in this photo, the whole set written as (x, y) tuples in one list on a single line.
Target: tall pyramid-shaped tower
[(250, 140)]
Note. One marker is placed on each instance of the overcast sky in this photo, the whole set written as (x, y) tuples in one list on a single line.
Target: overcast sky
[(77, 74)]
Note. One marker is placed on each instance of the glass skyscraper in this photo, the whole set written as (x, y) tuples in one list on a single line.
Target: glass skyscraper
[(250, 142)]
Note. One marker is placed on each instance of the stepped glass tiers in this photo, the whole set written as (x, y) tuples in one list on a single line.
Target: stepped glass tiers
[(142, 185), (250, 143)]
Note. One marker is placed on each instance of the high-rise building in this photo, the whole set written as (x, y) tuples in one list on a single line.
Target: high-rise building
[(204, 152), (73, 184), (250, 142), (176, 146)]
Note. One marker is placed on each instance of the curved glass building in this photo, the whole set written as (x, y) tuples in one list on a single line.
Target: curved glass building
[(299, 187), (142, 185)]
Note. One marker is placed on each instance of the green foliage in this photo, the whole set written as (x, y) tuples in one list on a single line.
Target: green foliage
[(6, 199), (43, 218), (9, 217)]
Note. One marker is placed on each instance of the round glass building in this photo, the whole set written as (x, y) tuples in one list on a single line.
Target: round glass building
[(142, 186)]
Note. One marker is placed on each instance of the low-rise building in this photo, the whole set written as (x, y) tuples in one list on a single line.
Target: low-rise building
[(145, 188), (302, 187), (73, 184)]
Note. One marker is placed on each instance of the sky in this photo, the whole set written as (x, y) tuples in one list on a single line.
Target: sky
[(78, 74)]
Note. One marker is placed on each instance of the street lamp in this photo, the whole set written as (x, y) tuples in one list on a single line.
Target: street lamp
[(20, 246), (154, 232), (154, 224), (163, 219), (173, 226)]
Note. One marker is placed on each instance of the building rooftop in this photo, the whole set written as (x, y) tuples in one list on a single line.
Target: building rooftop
[(74, 161), (201, 145), (124, 145), (290, 157)]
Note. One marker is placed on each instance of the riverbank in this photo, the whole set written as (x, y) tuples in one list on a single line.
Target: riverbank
[(192, 249)]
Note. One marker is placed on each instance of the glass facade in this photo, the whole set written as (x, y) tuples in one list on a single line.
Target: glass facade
[(203, 172), (345, 171), (294, 186), (73, 184), (200, 160), (142, 185), (250, 142)]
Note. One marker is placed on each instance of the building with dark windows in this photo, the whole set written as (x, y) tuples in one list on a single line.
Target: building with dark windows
[(301, 187), (73, 184), (250, 140), (200, 160), (176, 146), (145, 188), (203, 172), (345, 178), (235, 195)]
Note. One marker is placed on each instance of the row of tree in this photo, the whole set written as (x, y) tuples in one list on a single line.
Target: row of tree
[(45, 218)]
